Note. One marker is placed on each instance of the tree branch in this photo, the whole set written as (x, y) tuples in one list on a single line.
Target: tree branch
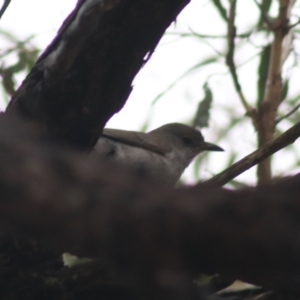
[(267, 110), (85, 74), (288, 114), (156, 237), (285, 139), (231, 64), (4, 7)]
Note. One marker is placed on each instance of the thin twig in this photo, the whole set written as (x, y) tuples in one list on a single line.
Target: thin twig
[(288, 114), (4, 7), (231, 64), (256, 157), (265, 16), (207, 36), (192, 34), (294, 24)]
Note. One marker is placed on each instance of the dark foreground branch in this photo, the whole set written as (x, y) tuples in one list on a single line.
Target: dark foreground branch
[(4, 7), (85, 75), (156, 237), (256, 157)]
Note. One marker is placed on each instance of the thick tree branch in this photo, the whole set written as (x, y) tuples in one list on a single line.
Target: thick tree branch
[(154, 236), (86, 73)]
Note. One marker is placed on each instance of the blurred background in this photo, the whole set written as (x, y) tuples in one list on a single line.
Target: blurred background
[(186, 80)]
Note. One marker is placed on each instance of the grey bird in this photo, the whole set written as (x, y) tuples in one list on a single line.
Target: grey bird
[(163, 153)]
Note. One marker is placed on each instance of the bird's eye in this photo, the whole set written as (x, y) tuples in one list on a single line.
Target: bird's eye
[(111, 152), (187, 141)]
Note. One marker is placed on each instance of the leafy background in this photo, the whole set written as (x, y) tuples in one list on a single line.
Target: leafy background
[(187, 79)]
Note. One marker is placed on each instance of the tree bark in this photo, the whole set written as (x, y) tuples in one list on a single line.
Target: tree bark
[(85, 75)]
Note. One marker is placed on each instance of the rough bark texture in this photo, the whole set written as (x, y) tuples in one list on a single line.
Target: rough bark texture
[(86, 73)]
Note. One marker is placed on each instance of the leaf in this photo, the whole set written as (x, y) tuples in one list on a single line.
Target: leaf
[(284, 90), (202, 63), (203, 112), (263, 72), (294, 101), (222, 11), (8, 82), (10, 36), (265, 7)]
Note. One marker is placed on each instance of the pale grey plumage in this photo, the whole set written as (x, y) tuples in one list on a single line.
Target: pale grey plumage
[(164, 152)]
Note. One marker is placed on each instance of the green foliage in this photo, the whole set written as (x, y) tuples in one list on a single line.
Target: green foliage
[(202, 115), (285, 90), (229, 125), (265, 8), (197, 67), (251, 46), (220, 8), (263, 69), (20, 57)]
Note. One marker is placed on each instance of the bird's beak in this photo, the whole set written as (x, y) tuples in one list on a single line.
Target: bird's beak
[(211, 147)]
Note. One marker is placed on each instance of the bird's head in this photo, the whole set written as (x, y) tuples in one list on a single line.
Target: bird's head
[(188, 140)]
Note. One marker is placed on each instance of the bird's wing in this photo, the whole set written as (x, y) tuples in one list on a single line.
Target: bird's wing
[(135, 139)]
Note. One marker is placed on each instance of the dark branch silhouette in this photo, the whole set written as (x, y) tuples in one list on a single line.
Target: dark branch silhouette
[(85, 75), (148, 232)]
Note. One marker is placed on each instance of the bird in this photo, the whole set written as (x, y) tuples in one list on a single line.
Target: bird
[(163, 153)]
